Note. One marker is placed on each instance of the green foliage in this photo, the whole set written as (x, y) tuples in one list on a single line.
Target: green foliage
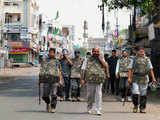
[(119, 4), (124, 31)]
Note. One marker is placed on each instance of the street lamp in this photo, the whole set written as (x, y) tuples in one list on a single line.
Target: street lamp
[(103, 18)]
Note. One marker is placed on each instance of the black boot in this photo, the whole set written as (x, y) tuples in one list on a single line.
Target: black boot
[(135, 102), (53, 104), (47, 101), (143, 101)]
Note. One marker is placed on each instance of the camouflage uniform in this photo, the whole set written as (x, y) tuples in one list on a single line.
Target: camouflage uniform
[(122, 66), (49, 76), (140, 67), (75, 77), (95, 77)]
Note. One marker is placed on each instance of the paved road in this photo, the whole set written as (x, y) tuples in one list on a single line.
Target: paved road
[(19, 101)]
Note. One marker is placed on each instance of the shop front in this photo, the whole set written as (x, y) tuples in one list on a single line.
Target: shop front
[(18, 52), (19, 55), (3, 52)]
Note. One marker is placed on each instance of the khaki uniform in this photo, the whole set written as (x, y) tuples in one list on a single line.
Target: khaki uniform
[(140, 67), (49, 76), (123, 73), (75, 77), (95, 77)]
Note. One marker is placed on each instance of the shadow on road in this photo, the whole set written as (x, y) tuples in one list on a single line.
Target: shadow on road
[(115, 112), (32, 111), (72, 113)]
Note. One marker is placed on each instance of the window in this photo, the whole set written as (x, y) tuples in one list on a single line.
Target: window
[(7, 3), (12, 17), (8, 18), (19, 18), (11, 4), (15, 4), (13, 36)]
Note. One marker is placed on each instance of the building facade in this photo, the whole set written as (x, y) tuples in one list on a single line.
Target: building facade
[(97, 42), (20, 19), (68, 32)]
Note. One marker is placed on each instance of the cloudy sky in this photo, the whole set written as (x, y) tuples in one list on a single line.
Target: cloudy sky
[(74, 12)]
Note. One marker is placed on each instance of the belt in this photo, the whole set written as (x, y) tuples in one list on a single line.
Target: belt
[(139, 74)]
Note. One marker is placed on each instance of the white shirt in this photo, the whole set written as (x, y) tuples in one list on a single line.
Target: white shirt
[(84, 64)]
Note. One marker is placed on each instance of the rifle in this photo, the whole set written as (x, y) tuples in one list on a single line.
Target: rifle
[(39, 87), (126, 94)]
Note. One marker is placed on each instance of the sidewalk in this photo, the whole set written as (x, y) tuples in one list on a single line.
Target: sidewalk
[(10, 73)]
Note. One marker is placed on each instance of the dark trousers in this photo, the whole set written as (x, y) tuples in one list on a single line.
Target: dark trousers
[(106, 85), (143, 101), (75, 87), (114, 84), (67, 83), (112, 80), (50, 91), (60, 91), (124, 86), (117, 86)]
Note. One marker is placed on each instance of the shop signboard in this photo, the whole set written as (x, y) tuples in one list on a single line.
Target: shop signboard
[(18, 44), (18, 51)]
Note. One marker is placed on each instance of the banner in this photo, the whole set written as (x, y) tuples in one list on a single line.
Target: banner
[(18, 51)]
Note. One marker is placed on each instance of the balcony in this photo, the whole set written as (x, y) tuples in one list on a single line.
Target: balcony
[(12, 17)]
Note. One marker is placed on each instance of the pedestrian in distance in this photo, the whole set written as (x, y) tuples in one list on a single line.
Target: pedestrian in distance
[(139, 68), (93, 73), (122, 73), (66, 64), (112, 61), (106, 85), (75, 76), (50, 75)]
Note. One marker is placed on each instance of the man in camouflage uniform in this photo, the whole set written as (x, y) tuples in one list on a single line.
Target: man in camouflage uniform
[(50, 75), (75, 76), (122, 72), (93, 72), (139, 68)]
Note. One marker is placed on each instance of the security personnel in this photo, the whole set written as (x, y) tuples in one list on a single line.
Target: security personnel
[(66, 64), (75, 76), (122, 72), (50, 75), (93, 72), (139, 68)]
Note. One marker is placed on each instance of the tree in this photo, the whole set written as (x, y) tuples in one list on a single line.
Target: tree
[(144, 5), (114, 4)]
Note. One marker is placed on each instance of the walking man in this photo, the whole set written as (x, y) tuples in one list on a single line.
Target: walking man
[(66, 64), (75, 76), (122, 72), (106, 85), (93, 73), (50, 75), (139, 68), (112, 61)]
